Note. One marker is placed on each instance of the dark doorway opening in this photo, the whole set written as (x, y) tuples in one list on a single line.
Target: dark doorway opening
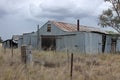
[(103, 43), (48, 43), (113, 45)]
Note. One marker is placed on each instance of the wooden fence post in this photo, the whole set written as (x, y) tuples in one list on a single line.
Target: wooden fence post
[(71, 69), (29, 55), (12, 47), (26, 54), (26, 57), (68, 58), (23, 53)]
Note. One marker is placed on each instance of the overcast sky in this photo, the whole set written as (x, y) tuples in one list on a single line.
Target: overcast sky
[(21, 16)]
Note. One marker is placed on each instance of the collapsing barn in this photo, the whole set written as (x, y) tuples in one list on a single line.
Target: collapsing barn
[(9, 43), (62, 36)]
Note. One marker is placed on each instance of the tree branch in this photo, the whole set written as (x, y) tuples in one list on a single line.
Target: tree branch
[(116, 10)]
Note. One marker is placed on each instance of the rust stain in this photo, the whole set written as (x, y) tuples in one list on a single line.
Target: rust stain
[(72, 27)]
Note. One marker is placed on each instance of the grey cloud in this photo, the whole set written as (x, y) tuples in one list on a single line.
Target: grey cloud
[(3, 13), (65, 9), (60, 12)]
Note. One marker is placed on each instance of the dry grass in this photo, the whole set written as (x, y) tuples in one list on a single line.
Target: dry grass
[(56, 66)]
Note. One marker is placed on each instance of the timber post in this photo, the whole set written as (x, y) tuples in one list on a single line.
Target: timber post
[(26, 54), (71, 69)]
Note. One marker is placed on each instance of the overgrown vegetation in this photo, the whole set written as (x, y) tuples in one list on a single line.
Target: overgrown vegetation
[(56, 66)]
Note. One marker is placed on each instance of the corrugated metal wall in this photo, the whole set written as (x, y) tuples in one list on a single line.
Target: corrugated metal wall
[(69, 43), (34, 41), (118, 45), (20, 42), (93, 43), (79, 42), (54, 30), (108, 44), (29, 39), (82, 42)]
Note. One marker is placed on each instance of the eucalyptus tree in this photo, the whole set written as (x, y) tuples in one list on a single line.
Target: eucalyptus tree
[(111, 16)]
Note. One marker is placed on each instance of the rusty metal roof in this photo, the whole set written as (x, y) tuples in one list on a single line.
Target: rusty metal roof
[(72, 27)]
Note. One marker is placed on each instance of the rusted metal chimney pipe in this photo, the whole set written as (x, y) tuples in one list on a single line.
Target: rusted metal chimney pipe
[(78, 25)]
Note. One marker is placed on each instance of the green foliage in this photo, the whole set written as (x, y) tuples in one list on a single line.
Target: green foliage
[(111, 17), (111, 32), (105, 18)]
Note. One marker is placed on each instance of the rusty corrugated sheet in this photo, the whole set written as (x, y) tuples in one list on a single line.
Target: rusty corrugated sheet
[(72, 27)]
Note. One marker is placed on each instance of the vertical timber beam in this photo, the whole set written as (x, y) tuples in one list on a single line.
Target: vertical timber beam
[(38, 37), (12, 47)]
